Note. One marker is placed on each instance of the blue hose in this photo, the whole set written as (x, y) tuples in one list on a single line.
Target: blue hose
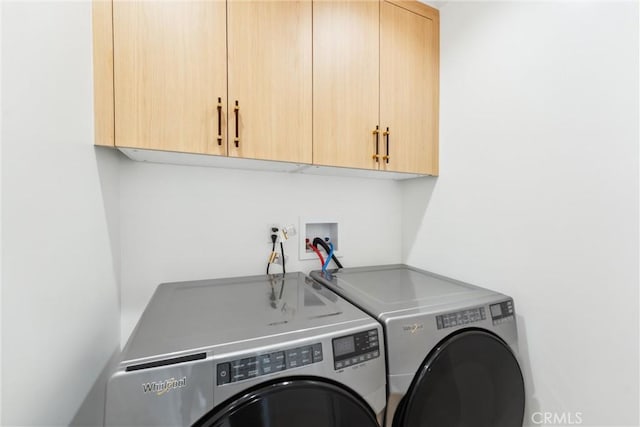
[(326, 263)]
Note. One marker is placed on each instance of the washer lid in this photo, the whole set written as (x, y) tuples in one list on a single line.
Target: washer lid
[(386, 289), (196, 316)]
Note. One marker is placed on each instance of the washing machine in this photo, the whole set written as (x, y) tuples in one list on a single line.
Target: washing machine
[(253, 352), (452, 350)]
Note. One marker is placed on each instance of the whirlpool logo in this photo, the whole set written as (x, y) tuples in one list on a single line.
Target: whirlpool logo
[(412, 329), (162, 387)]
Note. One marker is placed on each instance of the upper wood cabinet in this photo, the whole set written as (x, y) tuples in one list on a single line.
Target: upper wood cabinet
[(336, 83), (409, 58), (346, 56), (172, 73), (169, 74), (270, 80), (375, 83)]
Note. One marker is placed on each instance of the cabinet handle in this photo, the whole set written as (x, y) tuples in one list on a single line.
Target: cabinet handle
[(219, 121), (237, 138), (386, 135), (376, 132)]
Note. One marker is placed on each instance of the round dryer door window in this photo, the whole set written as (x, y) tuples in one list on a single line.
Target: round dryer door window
[(292, 403), (472, 379)]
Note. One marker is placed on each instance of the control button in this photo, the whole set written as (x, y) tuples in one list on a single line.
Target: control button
[(294, 358), (223, 373), (317, 353), (339, 365), (277, 361), (238, 375), (368, 356), (347, 362), (264, 364), (238, 365), (354, 360), (373, 333), (250, 364), (306, 357), (376, 353), (361, 358)]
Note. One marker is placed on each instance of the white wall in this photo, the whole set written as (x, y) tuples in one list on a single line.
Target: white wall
[(60, 314), (1, 223), (188, 223), (538, 193)]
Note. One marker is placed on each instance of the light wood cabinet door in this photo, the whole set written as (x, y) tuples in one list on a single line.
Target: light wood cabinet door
[(409, 62), (169, 72), (345, 82), (269, 69)]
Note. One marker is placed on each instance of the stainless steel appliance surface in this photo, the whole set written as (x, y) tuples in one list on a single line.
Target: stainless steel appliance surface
[(250, 351), (452, 348)]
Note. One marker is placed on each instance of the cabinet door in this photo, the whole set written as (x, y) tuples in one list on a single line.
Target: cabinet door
[(169, 71), (269, 64), (345, 82), (409, 89)]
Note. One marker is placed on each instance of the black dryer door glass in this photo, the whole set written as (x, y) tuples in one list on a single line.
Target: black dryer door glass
[(292, 403), (472, 379)]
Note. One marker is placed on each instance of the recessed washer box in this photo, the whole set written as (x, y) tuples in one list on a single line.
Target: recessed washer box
[(311, 228)]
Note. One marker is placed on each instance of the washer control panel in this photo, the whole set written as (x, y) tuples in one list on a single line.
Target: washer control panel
[(460, 318), (501, 312), (355, 348), (264, 364)]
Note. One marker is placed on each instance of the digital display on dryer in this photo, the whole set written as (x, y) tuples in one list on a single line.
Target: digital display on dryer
[(345, 345), (496, 310)]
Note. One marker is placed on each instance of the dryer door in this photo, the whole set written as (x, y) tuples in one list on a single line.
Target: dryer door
[(292, 403), (471, 379)]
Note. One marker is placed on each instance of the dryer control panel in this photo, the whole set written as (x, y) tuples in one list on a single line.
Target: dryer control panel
[(264, 364), (502, 312), (460, 318), (356, 348)]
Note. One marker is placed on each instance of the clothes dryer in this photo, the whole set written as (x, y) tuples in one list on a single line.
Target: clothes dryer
[(452, 348)]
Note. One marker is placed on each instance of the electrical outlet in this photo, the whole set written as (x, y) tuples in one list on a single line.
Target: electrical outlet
[(274, 229), (283, 233)]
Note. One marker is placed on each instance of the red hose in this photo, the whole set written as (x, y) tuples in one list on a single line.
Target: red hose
[(314, 249)]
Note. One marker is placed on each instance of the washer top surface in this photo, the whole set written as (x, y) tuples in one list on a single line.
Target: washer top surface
[(186, 316), (399, 289)]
